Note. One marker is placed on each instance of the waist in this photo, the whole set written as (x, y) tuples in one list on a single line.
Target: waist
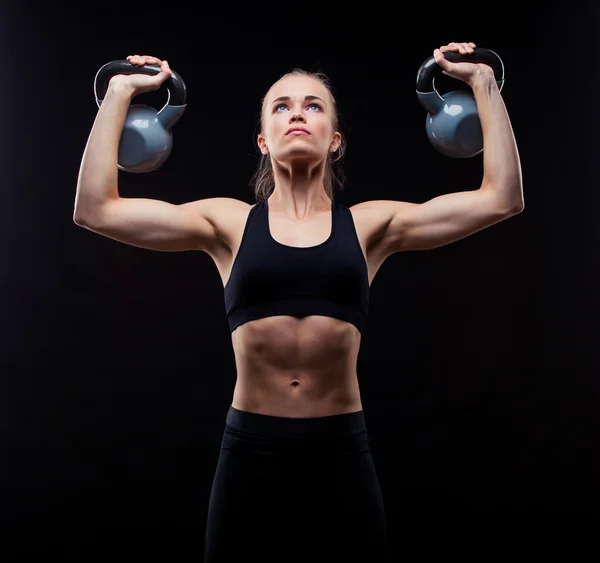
[(297, 395), (289, 428), (282, 437)]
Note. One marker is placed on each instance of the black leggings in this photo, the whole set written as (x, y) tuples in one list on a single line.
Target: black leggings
[(295, 489)]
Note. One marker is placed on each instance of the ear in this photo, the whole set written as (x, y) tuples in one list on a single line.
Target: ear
[(335, 142), (262, 144)]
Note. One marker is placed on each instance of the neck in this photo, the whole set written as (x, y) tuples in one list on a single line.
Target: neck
[(299, 191)]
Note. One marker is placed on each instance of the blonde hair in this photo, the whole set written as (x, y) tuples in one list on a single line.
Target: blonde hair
[(263, 181)]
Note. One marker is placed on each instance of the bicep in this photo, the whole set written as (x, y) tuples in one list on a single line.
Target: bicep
[(156, 225), (443, 219)]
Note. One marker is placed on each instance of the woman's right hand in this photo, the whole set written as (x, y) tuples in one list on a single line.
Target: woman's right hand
[(140, 83)]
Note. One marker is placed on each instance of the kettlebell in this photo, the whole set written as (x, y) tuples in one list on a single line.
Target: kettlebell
[(452, 123), (146, 140)]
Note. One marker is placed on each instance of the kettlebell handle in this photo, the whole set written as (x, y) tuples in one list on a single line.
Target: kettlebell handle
[(174, 85), (430, 70)]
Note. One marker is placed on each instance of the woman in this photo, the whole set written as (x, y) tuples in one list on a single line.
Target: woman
[(295, 478)]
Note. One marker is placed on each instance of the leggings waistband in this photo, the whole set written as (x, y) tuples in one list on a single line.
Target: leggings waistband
[(333, 425)]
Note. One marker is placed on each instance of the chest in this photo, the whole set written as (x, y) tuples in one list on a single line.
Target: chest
[(304, 234), (300, 234)]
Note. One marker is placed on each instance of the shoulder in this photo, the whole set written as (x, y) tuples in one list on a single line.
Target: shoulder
[(381, 212), (374, 219), (375, 213), (225, 203), (227, 215), (219, 209), (378, 206)]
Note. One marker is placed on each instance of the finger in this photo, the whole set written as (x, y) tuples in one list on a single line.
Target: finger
[(165, 72), (165, 68), (141, 60), (150, 60), (441, 60), (445, 48), (135, 60), (454, 47)]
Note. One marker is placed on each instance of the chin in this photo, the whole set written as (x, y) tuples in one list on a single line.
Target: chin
[(298, 155)]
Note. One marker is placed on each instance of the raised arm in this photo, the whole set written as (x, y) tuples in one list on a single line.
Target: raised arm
[(450, 217), (146, 223)]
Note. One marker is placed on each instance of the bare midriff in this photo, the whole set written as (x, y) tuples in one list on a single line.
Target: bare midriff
[(296, 367)]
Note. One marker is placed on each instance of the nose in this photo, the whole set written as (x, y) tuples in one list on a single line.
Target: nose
[(297, 116)]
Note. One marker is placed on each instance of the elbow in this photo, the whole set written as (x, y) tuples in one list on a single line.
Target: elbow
[(514, 209), (507, 197), (513, 206), (81, 210), (511, 211), (80, 219), (519, 208), (88, 213), (518, 205), (85, 219), (506, 210)]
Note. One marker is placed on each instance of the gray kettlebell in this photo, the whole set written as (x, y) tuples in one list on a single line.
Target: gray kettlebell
[(452, 123), (146, 140)]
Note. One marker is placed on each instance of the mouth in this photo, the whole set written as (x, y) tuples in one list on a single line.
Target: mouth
[(297, 131)]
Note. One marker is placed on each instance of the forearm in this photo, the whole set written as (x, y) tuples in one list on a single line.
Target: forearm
[(501, 163), (98, 175)]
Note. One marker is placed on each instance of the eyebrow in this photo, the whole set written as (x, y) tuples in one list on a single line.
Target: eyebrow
[(287, 99)]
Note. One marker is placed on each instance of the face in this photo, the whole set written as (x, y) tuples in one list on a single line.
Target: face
[(297, 121)]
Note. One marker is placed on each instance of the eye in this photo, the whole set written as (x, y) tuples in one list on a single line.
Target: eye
[(315, 106), (280, 106)]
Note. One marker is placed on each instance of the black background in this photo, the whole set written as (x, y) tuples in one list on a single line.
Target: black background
[(478, 368)]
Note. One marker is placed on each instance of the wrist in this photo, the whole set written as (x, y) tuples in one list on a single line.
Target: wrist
[(482, 80), (120, 90)]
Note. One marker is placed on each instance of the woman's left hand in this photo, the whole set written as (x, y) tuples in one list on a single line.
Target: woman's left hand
[(464, 71)]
